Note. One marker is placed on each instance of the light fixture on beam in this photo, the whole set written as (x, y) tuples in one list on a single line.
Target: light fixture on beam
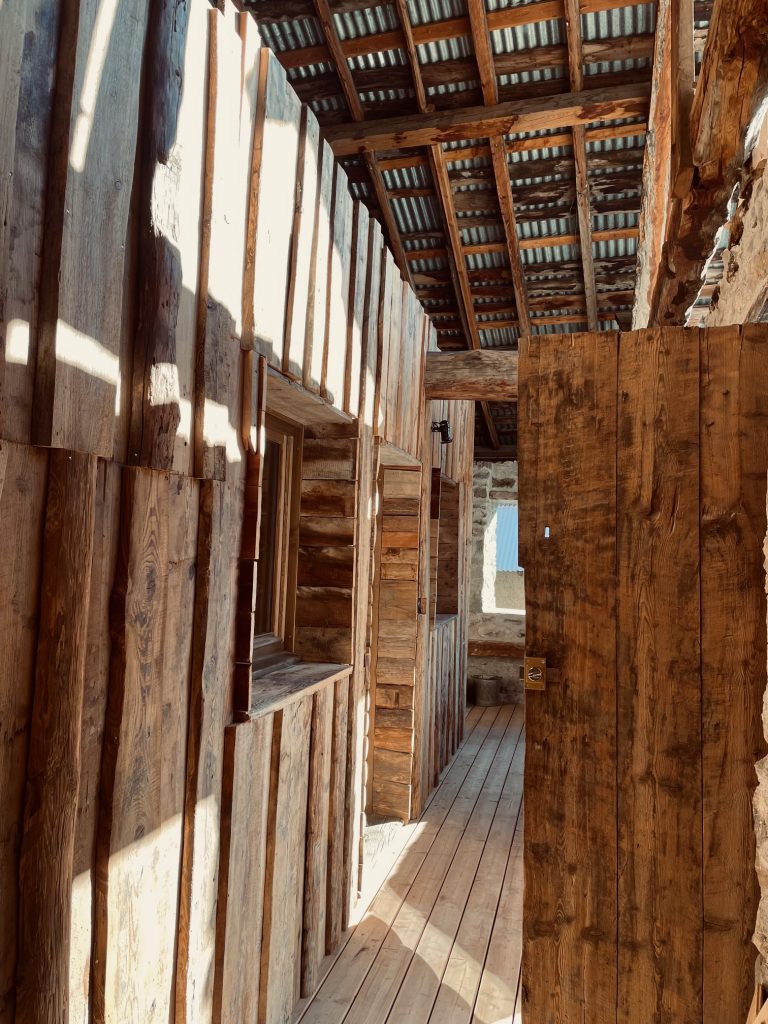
[(443, 428)]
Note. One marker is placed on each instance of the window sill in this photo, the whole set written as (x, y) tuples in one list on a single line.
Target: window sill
[(282, 684)]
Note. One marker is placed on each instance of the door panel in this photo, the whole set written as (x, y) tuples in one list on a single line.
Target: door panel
[(567, 428), (643, 463)]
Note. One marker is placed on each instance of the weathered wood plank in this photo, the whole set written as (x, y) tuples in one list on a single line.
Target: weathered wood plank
[(479, 375), (284, 880), (53, 765), (210, 698), (29, 34), (84, 339), (170, 188), (569, 942), (139, 835), (271, 213), (317, 860), (106, 541), (23, 478), (304, 213), (734, 462), (659, 681), (239, 911), (335, 892)]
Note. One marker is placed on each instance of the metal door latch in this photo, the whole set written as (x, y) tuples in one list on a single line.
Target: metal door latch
[(535, 673)]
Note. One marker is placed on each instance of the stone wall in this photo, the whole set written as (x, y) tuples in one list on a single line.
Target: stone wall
[(493, 482)]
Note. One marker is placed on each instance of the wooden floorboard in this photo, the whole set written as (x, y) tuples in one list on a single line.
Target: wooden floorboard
[(441, 940)]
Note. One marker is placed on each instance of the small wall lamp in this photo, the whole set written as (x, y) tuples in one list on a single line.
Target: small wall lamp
[(443, 428)]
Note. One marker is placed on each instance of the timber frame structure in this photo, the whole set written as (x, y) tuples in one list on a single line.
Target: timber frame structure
[(275, 275), (502, 150)]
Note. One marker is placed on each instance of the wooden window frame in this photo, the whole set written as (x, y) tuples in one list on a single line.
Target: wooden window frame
[(289, 436)]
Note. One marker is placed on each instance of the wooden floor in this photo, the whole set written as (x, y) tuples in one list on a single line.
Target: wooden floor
[(441, 940)]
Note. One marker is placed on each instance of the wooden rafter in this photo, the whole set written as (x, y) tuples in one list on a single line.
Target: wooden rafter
[(583, 201), (530, 115), (459, 267), (481, 39), (458, 271), (352, 98)]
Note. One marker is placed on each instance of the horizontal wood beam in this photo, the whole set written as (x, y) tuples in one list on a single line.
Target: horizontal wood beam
[(517, 116), (601, 134), (495, 649), (481, 375)]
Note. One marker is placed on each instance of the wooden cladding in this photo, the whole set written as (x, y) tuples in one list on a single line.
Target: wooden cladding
[(232, 234), (642, 543)]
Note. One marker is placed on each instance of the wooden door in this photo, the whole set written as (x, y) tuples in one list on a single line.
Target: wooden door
[(643, 496)]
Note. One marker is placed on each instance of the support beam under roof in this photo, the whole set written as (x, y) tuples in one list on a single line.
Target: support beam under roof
[(539, 113), (484, 375)]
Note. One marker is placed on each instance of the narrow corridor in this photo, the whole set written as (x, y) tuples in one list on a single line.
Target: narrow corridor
[(441, 940)]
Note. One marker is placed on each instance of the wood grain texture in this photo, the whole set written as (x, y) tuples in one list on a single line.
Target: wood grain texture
[(239, 908), (284, 879), (53, 766), (734, 435), (476, 122), (659, 681), (172, 152), (23, 482), (569, 954), (139, 835), (83, 352), (106, 541), (210, 709), (316, 877), (28, 56), (336, 896)]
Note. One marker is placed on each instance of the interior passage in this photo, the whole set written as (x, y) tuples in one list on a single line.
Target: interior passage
[(441, 941)]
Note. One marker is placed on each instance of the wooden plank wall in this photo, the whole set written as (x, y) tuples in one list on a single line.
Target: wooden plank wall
[(396, 626), (648, 909), (177, 244)]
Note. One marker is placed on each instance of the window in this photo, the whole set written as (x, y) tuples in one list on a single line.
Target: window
[(506, 538), (276, 573), (503, 589)]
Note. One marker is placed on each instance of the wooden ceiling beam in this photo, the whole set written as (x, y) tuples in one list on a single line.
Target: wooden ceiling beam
[(421, 97), (459, 270), (448, 215), (418, 159), (571, 9), (472, 376), (536, 114), (352, 98), (544, 242), (481, 40), (507, 206)]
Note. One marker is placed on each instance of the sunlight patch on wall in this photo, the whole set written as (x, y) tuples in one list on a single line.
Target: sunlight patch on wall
[(94, 71), (83, 352), (17, 342)]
